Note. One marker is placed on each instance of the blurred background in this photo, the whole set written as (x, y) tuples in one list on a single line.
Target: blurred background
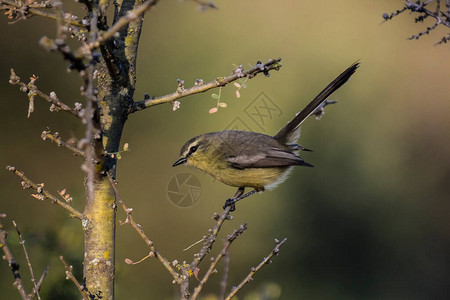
[(370, 221)]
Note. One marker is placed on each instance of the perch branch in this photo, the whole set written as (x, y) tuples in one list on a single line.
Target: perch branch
[(273, 64), (216, 260), (141, 233), (69, 276), (253, 270), (211, 238), (18, 283), (27, 258), (43, 194)]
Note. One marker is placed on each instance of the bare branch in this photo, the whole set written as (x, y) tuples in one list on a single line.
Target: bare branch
[(211, 238), (224, 281), (30, 9), (32, 90), (54, 137), (273, 64), (69, 276), (123, 21), (253, 270), (41, 280), (18, 283), (30, 267), (43, 194), (216, 260), (204, 5), (130, 220), (420, 8)]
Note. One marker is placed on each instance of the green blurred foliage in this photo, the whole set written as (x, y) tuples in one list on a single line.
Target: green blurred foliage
[(370, 221)]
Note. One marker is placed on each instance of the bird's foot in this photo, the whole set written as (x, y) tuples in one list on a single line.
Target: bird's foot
[(230, 202)]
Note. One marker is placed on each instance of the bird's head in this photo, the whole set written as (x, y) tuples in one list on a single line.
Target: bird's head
[(196, 152)]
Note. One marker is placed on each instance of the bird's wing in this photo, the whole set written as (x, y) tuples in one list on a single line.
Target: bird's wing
[(269, 159)]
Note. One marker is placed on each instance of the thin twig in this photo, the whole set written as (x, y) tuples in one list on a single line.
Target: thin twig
[(40, 12), (141, 233), (253, 270), (196, 243), (123, 21), (41, 280), (54, 137), (43, 194), (216, 260), (224, 281), (31, 89), (419, 7), (27, 258), (204, 5), (18, 283), (273, 64), (69, 276)]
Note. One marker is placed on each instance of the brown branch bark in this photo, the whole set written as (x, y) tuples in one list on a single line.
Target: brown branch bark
[(43, 194), (69, 276), (8, 256), (27, 258), (130, 220), (54, 137), (273, 64), (254, 270), (216, 260), (130, 16), (40, 12)]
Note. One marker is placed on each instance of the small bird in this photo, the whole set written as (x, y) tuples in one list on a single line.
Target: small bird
[(249, 159)]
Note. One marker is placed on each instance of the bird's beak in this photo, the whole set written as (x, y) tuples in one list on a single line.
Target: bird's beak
[(180, 161)]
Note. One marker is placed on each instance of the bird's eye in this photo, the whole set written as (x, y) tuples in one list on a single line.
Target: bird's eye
[(193, 149)]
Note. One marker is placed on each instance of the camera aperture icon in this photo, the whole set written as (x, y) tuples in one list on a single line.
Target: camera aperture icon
[(184, 190)]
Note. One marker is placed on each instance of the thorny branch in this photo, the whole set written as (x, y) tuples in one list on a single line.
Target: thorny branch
[(43, 194), (424, 11), (253, 270), (272, 64), (69, 276)]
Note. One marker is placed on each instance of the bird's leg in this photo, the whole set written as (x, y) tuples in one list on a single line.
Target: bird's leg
[(230, 202), (238, 196)]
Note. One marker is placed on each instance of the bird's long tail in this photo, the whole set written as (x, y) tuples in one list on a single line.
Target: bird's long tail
[(289, 134)]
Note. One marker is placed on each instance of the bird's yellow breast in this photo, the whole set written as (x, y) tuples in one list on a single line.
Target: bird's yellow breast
[(257, 178)]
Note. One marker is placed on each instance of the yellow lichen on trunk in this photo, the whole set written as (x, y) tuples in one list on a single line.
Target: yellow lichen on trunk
[(99, 228)]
